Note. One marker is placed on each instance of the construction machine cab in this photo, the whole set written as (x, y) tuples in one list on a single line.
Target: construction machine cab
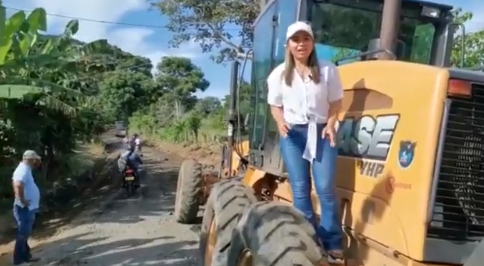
[(423, 31), (345, 31)]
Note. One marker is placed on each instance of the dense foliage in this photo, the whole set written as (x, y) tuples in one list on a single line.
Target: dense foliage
[(210, 24), (57, 94), (187, 119)]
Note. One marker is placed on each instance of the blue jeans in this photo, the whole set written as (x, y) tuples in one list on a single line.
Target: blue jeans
[(25, 221), (324, 173)]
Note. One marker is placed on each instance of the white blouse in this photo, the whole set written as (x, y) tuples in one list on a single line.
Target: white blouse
[(305, 102)]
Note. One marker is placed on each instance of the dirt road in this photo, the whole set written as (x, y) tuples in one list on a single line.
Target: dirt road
[(136, 231)]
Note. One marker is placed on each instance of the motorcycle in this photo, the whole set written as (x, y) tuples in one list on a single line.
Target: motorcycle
[(129, 181)]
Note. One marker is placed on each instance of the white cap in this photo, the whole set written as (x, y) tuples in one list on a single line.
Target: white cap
[(30, 154), (298, 26)]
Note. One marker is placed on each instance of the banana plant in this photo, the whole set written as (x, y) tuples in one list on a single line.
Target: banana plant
[(31, 63), (19, 32)]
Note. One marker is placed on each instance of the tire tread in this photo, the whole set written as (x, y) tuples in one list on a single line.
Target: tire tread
[(226, 204), (277, 235), (190, 191)]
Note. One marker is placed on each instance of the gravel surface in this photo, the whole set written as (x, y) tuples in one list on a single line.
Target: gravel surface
[(129, 231)]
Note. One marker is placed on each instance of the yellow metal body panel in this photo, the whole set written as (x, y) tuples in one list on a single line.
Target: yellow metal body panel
[(391, 208), (388, 210)]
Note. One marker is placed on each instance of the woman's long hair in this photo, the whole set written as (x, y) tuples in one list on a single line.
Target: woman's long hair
[(313, 64)]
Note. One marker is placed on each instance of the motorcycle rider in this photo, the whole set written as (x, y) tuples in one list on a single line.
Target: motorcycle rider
[(130, 160), (126, 142), (137, 142)]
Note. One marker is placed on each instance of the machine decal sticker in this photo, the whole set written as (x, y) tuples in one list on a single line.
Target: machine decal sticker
[(392, 184), (368, 139), (406, 154)]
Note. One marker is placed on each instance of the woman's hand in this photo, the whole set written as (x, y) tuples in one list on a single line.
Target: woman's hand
[(283, 128), (330, 132)]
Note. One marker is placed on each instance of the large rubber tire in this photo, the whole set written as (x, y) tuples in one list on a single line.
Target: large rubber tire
[(226, 204), (188, 192), (275, 234)]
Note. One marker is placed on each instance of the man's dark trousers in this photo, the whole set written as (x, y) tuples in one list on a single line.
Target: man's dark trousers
[(25, 222)]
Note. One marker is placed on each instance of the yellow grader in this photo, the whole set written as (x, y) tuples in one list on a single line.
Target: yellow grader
[(411, 145)]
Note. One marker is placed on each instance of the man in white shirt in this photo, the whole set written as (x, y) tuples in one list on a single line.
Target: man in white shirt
[(137, 143), (26, 205)]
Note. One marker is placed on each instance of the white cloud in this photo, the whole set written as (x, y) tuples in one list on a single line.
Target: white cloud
[(135, 41), (132, 39)]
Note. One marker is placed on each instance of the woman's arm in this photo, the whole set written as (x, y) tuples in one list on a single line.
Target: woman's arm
[(274, 95), (274, 99), (277, 114), (334, 109), (335, 96)]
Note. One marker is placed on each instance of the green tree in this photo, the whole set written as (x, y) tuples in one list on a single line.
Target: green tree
[(206, 23), (473, 43), (208, 105), (179, 79), (245, 96), (129, 62), (123, 93)]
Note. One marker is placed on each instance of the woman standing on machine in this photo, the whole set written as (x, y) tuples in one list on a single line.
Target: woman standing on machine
[(305, 96)]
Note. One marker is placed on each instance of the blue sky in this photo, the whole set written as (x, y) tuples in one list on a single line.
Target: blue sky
[(153, 42)]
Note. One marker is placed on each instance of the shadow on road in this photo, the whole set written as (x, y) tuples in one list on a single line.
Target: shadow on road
[(84, 249), (156, 197)]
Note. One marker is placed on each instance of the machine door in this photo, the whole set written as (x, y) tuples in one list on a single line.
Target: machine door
[(286, 14), (263, 49)]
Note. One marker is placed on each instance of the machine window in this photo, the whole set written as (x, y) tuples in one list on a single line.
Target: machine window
[(262, 66), (347, 29), (286, 13)]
